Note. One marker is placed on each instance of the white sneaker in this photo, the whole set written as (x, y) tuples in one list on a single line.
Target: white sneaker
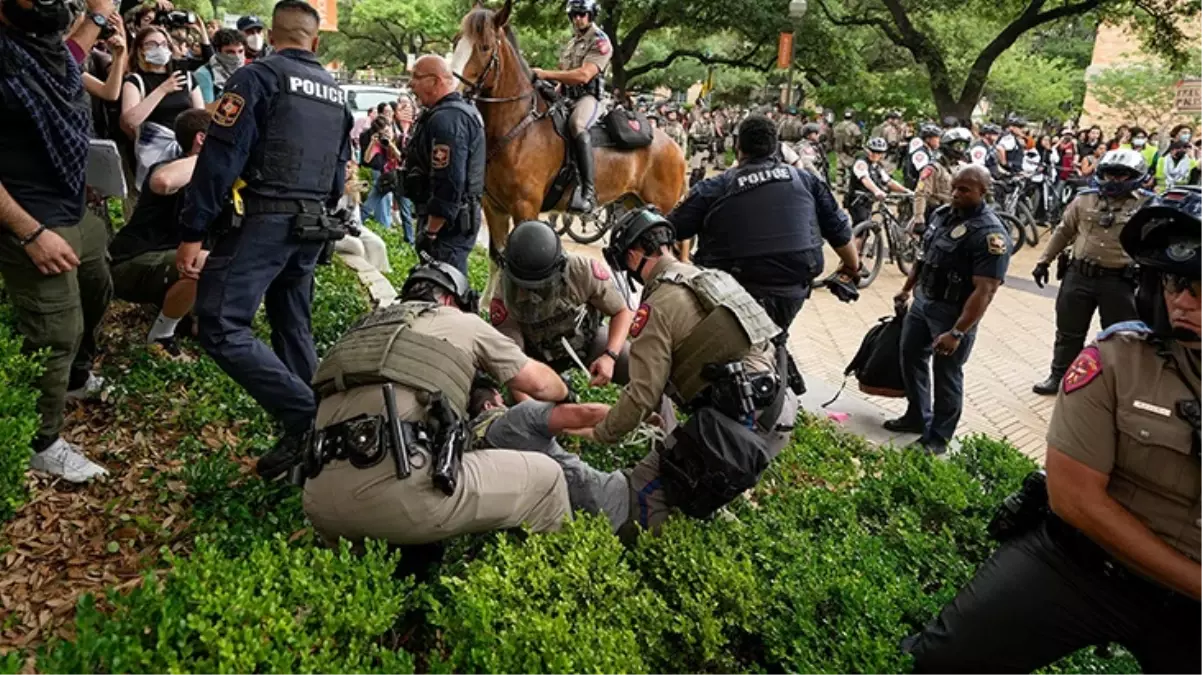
[(90, 389), (67, 461)]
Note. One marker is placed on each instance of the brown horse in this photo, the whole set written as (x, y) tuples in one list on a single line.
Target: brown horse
[(525, 152)]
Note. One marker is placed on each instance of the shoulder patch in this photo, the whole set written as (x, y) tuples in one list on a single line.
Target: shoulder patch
[(1085, 368), (497, 312), (228, 109), (1134, 328), (440, 156), (996, 241), (926, 171), (640, 320), (603, 44), (600, 271)]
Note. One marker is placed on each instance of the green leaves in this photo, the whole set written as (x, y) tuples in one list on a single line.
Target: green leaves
[(19, 419)]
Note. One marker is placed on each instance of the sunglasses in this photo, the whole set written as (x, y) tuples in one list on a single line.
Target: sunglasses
[(575, 13), (1176, 284)]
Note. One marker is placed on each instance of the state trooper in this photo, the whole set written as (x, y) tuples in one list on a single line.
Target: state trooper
[(920, 155), (1106, 548), (676, 130), (282, 127), (390, 457), (552, 304), (702, 136), (583, 62), (965, 253), (444, 165), (703, 340), (847, 142), (811, 150), (1100, 276), (791, 129), (891, 131), (1013, 144), (983, 151), (934, 187), (868, 181)]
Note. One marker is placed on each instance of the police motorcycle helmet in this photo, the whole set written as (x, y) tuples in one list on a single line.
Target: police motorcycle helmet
[(877, 144), (1120, 172), (1164, 237), (448, 278), (929, 131), (954, 143), (629, 229), (589, 7)]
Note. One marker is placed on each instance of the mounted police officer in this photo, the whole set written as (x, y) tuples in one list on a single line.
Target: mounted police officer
[(583, 62), (868, 181), (391, 457), (965, 253), (701, 339), (1100, 275), (552, 305), (1013, 144), (983, 151), (282, 127), (934, 186), (811, 150), (847, 142), (922, 154), (1107, 547), (444, 165)]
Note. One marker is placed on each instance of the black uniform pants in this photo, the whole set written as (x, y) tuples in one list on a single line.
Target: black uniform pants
[(782, 308), (1113, 297), (1048, 593)]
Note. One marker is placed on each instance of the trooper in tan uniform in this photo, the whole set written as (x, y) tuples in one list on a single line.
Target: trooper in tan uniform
[(676, 130), (428, 348), (1100, 275), (847, 143), (550, 298), (702, 136), (934, 187), (582, 67), (1117, 557), (697, 337)]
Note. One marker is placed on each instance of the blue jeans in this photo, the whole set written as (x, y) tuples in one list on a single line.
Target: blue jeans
[(378, 206), (926, 321), (405, 207), (261, 263)]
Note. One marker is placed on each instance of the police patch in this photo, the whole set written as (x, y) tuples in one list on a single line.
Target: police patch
[(440, 156), (600, 270), (1087, 366), (228, 109), (497, 313), (603, 46), (996, 243), (640, 319), (926, 172)]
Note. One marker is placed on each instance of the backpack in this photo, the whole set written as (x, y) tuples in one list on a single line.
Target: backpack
[(629, 128), (877, 364)]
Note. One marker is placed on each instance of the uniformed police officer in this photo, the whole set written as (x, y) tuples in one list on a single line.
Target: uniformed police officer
[(983, 151), (283, 127), (965, 253), (444, 166), (934, 187), (1012, 145), (676, 130), (891, 131), (790, 126), (373, 475), (921, 154), (549, 297), (764, 223), (811, 150), (847, 142), (1101, 275), (698, 337), (1116, 560), (582, 69), (702, 136), (868, 181)]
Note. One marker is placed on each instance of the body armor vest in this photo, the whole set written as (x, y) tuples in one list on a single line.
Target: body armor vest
[(297, 153), (417, 161), (383, 348), (768, 193), (855, 186), (545, 317)]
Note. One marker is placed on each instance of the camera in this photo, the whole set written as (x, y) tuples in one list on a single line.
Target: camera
[(174, 19)]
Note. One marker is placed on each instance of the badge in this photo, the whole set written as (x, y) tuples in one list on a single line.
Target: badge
[(958, 231), (640, 319), (600, 270), (440, 156), (996, 243), (228, 110), (497, 313), (1087, 366)]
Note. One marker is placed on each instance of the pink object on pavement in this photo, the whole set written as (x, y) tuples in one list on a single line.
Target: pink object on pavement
[(839, 417)]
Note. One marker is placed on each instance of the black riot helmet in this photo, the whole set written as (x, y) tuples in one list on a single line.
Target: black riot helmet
[(950, 122), (635, 229), (929, 131), (1165, 238), (583, 7), (446, 277), (534, 257)]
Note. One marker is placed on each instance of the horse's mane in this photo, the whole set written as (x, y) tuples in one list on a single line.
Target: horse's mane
[(478, 27)]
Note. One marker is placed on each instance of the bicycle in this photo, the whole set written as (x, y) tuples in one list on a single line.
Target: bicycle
[(584, 228), (881, 228)]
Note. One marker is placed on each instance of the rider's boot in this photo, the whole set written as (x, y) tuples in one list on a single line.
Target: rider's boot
[(584, 200)]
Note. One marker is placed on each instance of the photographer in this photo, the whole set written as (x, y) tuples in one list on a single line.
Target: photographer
[(108, 88), (143, 252), (384, 158)]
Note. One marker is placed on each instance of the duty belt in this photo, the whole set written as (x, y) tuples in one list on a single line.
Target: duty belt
[(364, 441), (289, 207), (1093, 269)]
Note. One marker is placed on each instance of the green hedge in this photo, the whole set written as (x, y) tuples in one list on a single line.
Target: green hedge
[(19, 419)]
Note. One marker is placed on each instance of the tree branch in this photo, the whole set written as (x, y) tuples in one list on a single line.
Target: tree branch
[(630, 41), (865, 20), (745, 61)]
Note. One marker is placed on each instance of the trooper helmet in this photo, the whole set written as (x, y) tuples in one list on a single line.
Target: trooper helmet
[(629, 229), (1163, 238), (1120, 172), (877, 144), (954, 142), (534, 256), (446, 277), (589, 7), (893, 115), (991, 129), (848, 114), (928, 131)]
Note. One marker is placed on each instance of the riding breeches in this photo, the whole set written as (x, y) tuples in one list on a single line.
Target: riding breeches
[(585, 113)]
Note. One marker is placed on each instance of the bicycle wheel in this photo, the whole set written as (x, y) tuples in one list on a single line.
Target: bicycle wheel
[(1030, 230), (905, 251), (589, 227), (1018, 235), (870, 240)]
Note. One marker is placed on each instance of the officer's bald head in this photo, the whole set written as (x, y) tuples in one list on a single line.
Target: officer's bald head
[(970, 184), (432, 79), (294, 25)]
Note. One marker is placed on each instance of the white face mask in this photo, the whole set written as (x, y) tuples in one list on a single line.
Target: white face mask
[(158, 56), (255, 41), (1138, 141)]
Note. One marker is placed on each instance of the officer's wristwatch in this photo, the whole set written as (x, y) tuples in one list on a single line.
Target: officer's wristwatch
[(611, 354), (958, 334)]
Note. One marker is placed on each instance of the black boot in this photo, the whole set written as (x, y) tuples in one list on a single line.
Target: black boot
[(1049, 386), (287, 453), (585, 198)]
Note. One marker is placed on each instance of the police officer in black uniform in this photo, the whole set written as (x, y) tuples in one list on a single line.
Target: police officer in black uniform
[(764, 222), (926, 153), (983, 151), (283, 127), (444, 168)]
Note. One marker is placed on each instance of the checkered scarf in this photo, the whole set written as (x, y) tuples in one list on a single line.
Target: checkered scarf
[(53, 102)]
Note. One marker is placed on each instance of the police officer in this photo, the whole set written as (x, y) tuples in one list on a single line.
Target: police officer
[(764, 223), (847, 142), (1101, 275), (1013, 144), (698, 337), (373, 475), (1117, 557), (983, 151), (891, 131), (701, 140), (791, 128), (444, 165), (868, 181), (675, 129), (583, 62), (965, 253), (922, 154), (282, 127), (549, 297), (811, 150), (934, 186)]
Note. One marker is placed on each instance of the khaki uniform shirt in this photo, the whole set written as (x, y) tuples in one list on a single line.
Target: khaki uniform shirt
[(847, 138), (591, 46), (1116, 413), (676, 132), (589, 283), (668, 314), (492, 352), (1082, 227), (934, 188)]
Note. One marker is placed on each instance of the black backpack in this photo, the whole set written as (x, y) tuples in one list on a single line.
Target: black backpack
[(629, 128), (877, 364)]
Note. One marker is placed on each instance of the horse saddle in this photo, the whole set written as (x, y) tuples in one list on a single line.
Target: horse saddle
[(619, 130)]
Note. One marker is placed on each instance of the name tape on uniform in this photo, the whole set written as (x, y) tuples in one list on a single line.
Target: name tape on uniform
[(780, 173), (1152, 408), (317, 90)]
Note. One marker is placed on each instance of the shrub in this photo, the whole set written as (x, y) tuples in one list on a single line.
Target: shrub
[(19, 419)]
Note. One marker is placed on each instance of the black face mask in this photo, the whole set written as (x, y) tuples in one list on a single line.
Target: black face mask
[(44, 18)]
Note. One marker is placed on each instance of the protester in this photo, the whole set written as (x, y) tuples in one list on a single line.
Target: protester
[(230, 48), (256, 42)]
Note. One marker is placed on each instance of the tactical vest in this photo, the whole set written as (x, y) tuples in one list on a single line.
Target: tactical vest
[(297, 152), (990, 161), (769, 194), (1014, 158), (733, 324), (547, 316), (854, 186), (910, 173), (946, 274), (383, 348), (417, 161)]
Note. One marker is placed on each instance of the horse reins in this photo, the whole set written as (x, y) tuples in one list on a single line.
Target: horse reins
[(473, 94)]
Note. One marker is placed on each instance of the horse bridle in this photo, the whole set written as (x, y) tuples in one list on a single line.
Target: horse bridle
[(474, 89)]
